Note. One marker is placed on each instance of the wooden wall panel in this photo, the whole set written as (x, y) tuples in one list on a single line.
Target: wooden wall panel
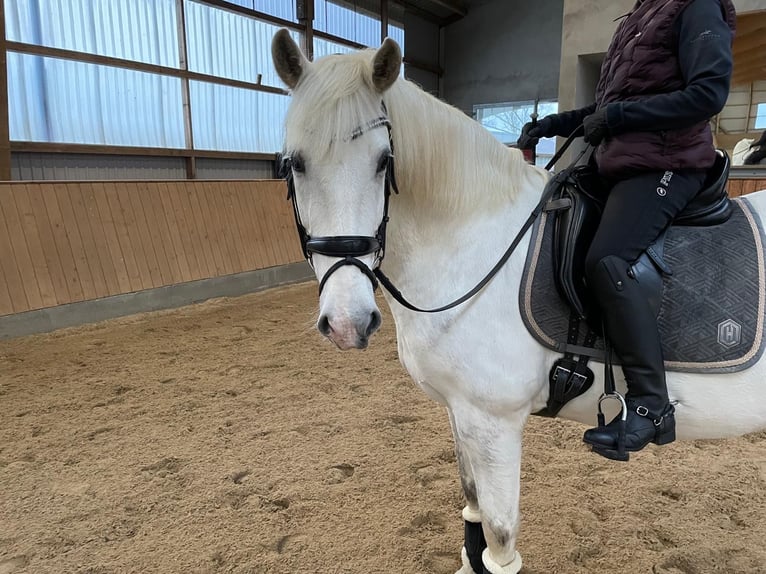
[(737, 187), (63, 242)]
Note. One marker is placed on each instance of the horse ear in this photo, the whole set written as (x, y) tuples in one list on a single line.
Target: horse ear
[(386, 65), (288, 58)]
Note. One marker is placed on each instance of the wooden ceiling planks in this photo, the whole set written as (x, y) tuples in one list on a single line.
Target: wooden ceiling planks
[(750, 48)]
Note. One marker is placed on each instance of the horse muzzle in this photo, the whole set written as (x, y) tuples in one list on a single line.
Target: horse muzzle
[(349, 332)]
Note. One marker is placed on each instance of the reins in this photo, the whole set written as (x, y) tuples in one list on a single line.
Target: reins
[(349, 248), (549, 190)]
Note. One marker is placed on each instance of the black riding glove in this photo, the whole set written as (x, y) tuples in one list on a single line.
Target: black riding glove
[(596, 127), (532, 132)]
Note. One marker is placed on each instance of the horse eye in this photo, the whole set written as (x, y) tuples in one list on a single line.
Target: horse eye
[(383, 162), (297, 163)]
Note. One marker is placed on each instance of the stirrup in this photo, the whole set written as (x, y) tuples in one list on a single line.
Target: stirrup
[(620, 453)]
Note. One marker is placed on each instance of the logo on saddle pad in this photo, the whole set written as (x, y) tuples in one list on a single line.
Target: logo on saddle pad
[(729, 333)]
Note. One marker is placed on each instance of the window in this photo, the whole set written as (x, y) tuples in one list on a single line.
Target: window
[(230, 45), (139, 30), (324, 47), (69, 98), (357, 21), (278, 8), (236, 119), (760, 117), (63, 101), (504, 121)]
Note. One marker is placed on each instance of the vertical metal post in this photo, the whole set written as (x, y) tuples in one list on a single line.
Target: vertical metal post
[(305, 11), (383, 20), (5, 140), (183, 60)]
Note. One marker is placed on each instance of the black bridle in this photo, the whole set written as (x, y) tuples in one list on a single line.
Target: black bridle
[(350, 247)]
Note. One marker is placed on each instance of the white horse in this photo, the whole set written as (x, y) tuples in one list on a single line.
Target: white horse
[(463, 196)]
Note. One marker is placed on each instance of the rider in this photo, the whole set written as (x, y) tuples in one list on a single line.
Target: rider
[(666, 74)]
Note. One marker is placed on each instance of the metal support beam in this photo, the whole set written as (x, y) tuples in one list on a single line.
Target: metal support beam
[(431, 15), (183, 60), (5, 141), (305, 11), (455, 7)]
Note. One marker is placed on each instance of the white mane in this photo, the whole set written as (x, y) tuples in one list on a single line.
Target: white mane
[(443, 158)]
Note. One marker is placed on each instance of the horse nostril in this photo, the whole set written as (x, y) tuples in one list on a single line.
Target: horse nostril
[(323, 325), (374, 323)]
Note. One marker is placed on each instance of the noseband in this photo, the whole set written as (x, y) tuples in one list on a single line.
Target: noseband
[(348, 247)]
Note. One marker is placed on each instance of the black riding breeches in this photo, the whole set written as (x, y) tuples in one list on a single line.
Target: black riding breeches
[(638, 210)]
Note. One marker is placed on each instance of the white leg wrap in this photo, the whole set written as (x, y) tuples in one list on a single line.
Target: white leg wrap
[(466, 568), (471, 515), (513, 567)]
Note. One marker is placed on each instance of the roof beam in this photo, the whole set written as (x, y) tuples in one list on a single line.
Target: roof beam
[(452, 5), (457, 10)]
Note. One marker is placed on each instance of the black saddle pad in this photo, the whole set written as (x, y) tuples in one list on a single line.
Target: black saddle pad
[(712, 313)]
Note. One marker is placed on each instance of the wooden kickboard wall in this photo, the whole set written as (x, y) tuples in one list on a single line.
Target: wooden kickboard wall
[(64, 242), (737, 187)]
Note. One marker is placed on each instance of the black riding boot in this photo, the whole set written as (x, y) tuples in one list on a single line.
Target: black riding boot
[(631, 325)]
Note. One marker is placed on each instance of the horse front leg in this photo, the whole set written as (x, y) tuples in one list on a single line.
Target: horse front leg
[(474, 542), (491, 446)]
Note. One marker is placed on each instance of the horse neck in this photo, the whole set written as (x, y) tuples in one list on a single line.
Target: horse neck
[(455, 179)]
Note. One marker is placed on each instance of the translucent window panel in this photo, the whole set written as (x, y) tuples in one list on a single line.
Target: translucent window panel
[(230, 45), (395, 30), (504, 121), (225, 118), (397, 33), (760, 118), (53, 100), (284, 9), (139, 30), (326, 47), (358, 21)]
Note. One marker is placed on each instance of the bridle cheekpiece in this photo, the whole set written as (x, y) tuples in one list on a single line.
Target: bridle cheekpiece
[(348, 247)]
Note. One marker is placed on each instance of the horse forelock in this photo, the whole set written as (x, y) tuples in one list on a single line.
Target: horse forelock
[(333, 101), (443, 156)]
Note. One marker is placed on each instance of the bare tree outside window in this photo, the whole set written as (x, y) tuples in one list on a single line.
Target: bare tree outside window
[(504, 121)]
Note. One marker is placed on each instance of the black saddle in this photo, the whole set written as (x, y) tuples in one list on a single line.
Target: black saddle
[(577, 206)]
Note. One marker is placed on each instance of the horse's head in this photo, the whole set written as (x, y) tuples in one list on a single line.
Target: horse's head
[(338, 153)]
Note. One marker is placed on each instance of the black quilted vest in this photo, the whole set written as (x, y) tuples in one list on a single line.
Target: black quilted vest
[(642, 61)]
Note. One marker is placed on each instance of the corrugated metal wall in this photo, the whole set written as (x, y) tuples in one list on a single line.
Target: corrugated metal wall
[(63, 101), (82, 167), (209, 168), (140, 30)]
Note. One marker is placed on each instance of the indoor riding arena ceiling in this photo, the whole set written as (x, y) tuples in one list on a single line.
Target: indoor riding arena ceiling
[(444, 11)]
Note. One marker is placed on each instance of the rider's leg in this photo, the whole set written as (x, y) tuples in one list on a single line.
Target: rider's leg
[(631, 326), (637, 211)]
